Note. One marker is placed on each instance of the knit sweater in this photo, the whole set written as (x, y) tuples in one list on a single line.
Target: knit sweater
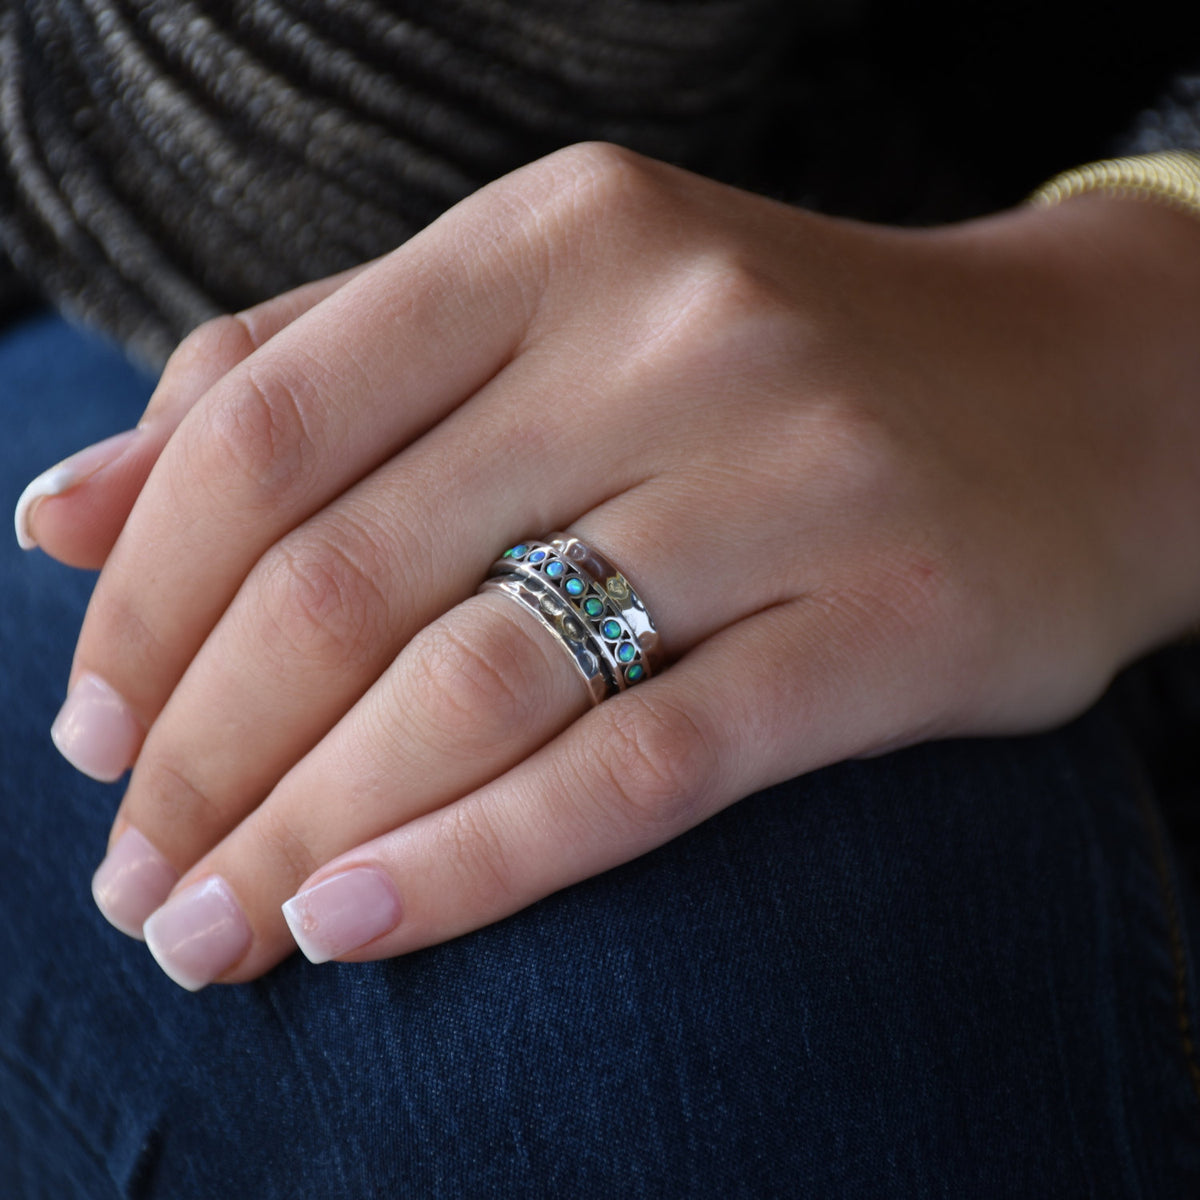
[(164, 160)]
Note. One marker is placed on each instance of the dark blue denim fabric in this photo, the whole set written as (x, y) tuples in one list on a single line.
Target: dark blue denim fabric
[(963, 970)]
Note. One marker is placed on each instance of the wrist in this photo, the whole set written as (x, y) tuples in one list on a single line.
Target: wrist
[(1112, 289)]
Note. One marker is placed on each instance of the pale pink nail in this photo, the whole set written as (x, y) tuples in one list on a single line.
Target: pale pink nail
[(95, 730), (342, 913), (199, 933), (132, 881), (65, 475)]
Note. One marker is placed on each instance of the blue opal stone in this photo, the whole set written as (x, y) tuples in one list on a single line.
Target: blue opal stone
[(537, 556), (611, 629), (554, 569), (634, 673), (626, 652), (593, 607), (575, 586)]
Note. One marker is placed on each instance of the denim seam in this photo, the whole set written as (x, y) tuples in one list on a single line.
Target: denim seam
[(1170, 899)]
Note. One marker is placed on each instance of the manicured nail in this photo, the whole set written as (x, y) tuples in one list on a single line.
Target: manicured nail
[(132, 881), (199, 933), (95, 730), (342, 913), (65, 475)]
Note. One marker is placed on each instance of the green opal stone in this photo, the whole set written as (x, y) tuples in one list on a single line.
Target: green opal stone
[(611, 629), (626, 652), (634, 673), (593, 607)]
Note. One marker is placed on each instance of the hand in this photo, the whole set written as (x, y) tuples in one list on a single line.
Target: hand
[(875, 486)]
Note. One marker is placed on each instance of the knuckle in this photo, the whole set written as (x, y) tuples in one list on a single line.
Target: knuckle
[(479, 684), (728, 314), (731, 293), (320, 602), (658, 765), (855, 463), (598, 183), (258, 436), (599, 164)]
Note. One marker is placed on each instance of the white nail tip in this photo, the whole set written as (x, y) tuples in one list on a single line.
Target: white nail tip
[(186, 980), (65, 475), (49, 483), (299, 922)]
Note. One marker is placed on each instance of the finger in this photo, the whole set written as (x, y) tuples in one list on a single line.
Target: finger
[(76, 509), (327, 401)]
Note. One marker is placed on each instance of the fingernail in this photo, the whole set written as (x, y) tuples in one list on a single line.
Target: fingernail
[(95, 730), (65, 475), (131, 882), (199, 933), (342, 913)]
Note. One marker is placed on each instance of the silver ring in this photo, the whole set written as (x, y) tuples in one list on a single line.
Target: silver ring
[(588, 604)]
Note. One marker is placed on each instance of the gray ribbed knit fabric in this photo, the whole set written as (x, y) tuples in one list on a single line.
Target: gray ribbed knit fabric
[(167, 158), (163, 160)]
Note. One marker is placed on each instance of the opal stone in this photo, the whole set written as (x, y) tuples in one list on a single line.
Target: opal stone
[(593, 607), (537, 556), (516, 551), (611, 629), (575, 586), (555, 569), (634, 673), (627, 652)]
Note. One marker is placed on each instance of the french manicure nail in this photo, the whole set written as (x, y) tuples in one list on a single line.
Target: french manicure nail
[(95, 730), (65, 475), (131, 882), (199, 933), (342, 912)]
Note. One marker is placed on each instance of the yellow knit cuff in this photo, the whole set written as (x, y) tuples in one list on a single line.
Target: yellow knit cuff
[(1171, 177)]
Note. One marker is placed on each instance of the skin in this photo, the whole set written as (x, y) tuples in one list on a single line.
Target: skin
[(876, 486)]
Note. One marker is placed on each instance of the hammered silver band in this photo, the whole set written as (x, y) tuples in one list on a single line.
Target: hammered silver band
[(587, 603)]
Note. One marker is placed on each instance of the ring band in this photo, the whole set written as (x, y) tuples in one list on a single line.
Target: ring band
[(587, 603)]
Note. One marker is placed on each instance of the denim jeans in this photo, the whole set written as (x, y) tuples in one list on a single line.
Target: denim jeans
[(962, 970)]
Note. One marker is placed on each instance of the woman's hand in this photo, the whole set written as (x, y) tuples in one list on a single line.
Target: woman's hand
[(874, 485)]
